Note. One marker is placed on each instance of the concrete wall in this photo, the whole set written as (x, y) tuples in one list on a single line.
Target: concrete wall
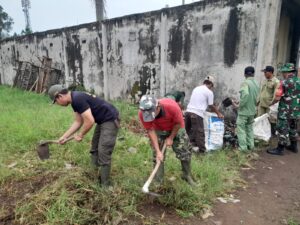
[(155, 52)]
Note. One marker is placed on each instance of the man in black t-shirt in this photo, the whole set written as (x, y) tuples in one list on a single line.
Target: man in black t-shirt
[(89, 109)]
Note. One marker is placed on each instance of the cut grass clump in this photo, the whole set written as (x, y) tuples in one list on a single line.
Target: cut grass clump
[(74, 196)]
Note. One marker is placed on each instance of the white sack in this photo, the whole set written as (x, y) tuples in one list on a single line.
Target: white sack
[(214, 131), (262, 128)]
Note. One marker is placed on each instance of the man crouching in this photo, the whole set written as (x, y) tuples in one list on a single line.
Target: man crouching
[(164, 123)]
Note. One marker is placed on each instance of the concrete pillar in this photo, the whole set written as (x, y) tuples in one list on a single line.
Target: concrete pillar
[(163, 53), (268, 34), (105, 75)]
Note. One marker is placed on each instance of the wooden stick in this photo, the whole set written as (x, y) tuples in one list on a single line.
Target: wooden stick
[(145, 188)]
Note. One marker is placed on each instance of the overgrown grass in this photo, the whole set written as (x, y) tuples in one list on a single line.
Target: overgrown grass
[(65, 187)]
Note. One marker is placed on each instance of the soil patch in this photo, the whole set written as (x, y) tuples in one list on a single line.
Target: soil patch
[(12, 192)]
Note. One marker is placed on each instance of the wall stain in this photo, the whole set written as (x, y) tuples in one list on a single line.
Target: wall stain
[(147, 75), (176, 41), (148, 40), (187, 45), (179, 41), (74, 57), (231, 39), (119, 52)]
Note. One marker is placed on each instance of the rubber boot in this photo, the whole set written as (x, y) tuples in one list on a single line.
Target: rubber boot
[(276, 151), (105, 176), (293, 147), (186, 173), (159, 176)]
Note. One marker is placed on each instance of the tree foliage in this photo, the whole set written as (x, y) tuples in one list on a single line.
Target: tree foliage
[(6, 23)]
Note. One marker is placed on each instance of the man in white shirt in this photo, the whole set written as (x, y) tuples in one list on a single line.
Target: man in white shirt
[(202, 97)]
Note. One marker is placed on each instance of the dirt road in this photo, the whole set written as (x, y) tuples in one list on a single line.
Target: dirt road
[(272, 196)]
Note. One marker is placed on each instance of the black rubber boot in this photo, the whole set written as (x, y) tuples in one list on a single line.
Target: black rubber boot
[(293, 147), (186, 173), (159, 176), (276, 151), (105, 176)]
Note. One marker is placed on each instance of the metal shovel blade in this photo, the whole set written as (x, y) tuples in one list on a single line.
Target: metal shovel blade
[(43, 151), (43, 147)]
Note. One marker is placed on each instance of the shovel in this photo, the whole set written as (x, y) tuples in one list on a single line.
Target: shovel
[(145, 188), (43, 147)]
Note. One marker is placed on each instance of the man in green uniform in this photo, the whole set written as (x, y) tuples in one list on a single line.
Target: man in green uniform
[(288, 111), (247, 110), (267, 94), (178, 96)]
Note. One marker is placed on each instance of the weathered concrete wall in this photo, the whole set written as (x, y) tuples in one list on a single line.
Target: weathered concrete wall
[(219, 38), (154, 52)]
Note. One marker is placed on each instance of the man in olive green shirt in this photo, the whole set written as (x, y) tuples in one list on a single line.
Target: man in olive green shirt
[(267, 91), (247, 110)]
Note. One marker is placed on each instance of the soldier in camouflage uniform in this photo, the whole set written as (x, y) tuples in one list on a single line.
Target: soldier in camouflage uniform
[(178, 96), (288, 111), (164, 123)]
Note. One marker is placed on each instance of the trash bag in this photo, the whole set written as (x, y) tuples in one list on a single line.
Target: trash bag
[(230, 116), (214, 131), (262, 128), (273, 113)]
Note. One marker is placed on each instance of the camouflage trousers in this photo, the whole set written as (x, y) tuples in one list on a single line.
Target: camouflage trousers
[(287, 131), (181, 145)]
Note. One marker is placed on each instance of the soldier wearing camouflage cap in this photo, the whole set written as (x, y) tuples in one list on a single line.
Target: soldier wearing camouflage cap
[(164, 123), (288, 111)]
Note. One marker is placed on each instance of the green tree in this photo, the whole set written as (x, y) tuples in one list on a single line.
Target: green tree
[(6, 23)]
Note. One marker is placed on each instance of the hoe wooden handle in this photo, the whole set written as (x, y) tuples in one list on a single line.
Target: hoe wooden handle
[(55, 141), (145, 188)]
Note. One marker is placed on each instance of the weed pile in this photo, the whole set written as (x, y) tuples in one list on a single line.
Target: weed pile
[(65, 189)]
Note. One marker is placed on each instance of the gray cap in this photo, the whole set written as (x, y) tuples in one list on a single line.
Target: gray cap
[(148, 106), (54, 90)]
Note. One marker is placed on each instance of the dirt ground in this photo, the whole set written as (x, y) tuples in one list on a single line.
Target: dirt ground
[(272, 197)]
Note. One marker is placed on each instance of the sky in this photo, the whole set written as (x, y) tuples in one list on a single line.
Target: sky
[(53, 14)]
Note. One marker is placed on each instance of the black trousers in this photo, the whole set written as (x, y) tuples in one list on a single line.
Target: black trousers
[(195, 129)]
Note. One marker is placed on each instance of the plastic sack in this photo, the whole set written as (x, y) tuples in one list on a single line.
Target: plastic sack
[(262, 128), (273, 112), (214, 131)]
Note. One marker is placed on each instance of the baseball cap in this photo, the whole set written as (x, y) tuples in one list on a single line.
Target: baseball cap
[(210, 78), (288, 67), (268, 69), (148, 106), (249, 70), (54, 90)]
